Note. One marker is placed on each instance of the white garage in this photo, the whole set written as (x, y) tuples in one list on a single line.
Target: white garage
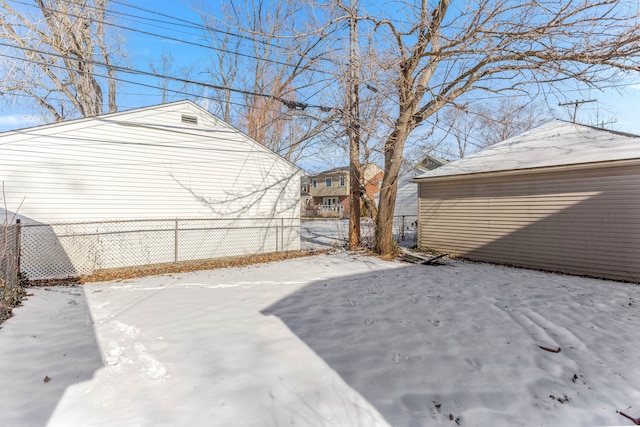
[(167, 183)]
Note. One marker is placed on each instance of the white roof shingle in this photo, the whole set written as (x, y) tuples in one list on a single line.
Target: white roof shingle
[(556, 143)]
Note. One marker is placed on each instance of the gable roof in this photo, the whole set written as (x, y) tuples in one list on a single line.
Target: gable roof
[(557, 143), (335, 171), (144, 117), (145, 163), (369, 171)]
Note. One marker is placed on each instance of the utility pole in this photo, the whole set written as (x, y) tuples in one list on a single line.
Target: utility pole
[(602, 124), (353, 129), (576, 104)]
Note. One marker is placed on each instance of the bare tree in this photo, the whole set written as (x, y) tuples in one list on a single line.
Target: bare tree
[(461, 126), (508, 118), (60, 56), (482, 125), (225, 64), (267, 53), (438, 54), (165, 66)]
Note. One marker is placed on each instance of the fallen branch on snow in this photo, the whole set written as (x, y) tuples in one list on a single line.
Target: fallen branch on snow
[(434, 260), (551, 350), (418, 259), (636, 421)]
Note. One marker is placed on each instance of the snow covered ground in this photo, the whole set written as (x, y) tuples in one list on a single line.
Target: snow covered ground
[(329, 340), (328, 233)]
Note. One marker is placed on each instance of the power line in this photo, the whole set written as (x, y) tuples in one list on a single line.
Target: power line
[(165, 37), (296, 105), (186, 23), (290, 104)]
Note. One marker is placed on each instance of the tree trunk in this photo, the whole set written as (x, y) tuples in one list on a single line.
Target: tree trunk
[(392, 162), (369, 204)]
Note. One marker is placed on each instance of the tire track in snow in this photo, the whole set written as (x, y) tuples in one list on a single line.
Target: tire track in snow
[(543, 331), (547, 329), (547, 334)]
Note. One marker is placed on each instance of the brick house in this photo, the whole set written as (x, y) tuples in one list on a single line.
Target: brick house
[(329, 190)]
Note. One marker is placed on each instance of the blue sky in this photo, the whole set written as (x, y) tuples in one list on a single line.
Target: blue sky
[(619, 104)]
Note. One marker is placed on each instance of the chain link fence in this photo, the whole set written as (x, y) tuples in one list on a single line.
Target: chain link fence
[(58, 251), (63, 250), (9, 258), (405, 230), (326, 233)]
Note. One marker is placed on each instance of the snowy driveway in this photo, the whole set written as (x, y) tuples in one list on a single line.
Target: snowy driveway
[(329, 340)]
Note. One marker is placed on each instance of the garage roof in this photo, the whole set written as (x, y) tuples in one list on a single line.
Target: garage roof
[(556, 143)]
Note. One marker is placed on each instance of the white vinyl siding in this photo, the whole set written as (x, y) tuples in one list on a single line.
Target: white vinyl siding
[(105, 169), (579, 221), (146, 164)]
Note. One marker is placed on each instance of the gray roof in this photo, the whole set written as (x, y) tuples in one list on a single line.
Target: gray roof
[(556, 143)]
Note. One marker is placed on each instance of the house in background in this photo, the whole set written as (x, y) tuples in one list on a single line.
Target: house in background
[(305, 196), (407, 193), (167, 183), (330, 190), (405, 216), (561, 197)]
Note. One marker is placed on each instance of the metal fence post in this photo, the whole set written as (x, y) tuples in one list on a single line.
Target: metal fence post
[(18, 244), (175, 243), (282, 234), (4, 267)]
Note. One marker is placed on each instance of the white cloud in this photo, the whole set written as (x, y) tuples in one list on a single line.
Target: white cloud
[(19, 120)]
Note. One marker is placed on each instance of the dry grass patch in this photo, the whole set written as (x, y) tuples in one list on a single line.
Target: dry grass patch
[(187, 266), (172, 268)]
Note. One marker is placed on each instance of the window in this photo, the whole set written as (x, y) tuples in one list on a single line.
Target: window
[(328, 182), (329, 201), (343, 181), (314, 183)]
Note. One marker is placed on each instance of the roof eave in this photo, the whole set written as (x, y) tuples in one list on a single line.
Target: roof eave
[(540, 169)]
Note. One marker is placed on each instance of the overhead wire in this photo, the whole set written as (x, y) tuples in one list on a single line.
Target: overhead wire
[(293, 104), (195, 25), (289, 103), (174, 39), (435, 124), (188, 24)]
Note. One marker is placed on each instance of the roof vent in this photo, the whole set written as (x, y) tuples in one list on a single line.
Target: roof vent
[(192, 120)]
